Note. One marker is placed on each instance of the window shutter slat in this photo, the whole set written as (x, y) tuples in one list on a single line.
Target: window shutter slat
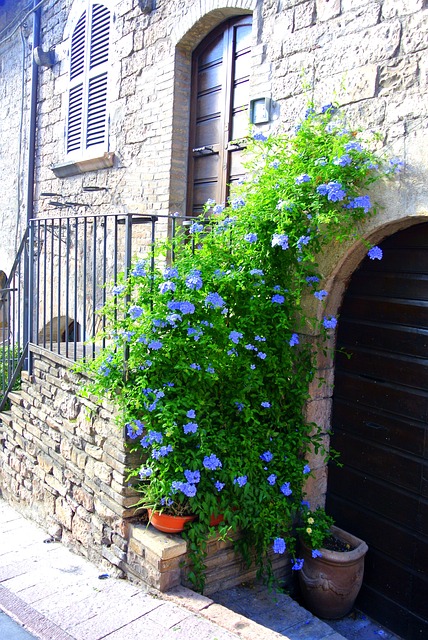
[(97, 108), (100, 33), (75, 108), (77, 57)]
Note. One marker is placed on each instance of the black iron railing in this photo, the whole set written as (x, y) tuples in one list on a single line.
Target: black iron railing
[(61, 280)]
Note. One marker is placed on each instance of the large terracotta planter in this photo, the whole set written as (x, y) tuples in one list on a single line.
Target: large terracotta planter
[(168, 523), (330, 584)]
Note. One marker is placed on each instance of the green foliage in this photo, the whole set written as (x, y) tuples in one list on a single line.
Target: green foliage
[(314, 527), (219, 353)]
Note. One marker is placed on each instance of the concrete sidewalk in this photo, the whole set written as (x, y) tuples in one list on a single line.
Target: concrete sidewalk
[(57, 595)]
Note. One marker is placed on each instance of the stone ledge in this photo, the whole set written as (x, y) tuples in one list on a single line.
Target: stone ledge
[(163, 545)]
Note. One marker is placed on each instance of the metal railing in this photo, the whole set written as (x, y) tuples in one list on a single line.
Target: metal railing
[(60, 282), (13, 327)]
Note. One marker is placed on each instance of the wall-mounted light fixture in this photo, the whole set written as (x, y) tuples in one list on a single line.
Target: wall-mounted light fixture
[(43, 58), (260, 110)]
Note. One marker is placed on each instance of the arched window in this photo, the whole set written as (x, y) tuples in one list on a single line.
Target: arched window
[(87, 104), (219, 112)]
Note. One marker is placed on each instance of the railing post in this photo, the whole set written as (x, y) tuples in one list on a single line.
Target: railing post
[(30, 303), (128, 259)]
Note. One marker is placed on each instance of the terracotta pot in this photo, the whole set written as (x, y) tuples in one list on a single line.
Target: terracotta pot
[(215, 520), (330, 584), (168, 523)]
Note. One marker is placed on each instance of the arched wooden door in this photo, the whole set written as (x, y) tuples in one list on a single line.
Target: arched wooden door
[(380, 416), (219, 112)]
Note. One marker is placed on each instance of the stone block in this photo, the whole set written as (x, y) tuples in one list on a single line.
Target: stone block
[(84, 498), (63, 513), (81, 530), (163, 545)]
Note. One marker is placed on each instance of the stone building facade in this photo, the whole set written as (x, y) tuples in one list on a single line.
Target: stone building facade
[(369, 56)]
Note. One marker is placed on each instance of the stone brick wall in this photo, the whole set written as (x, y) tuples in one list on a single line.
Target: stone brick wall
[(63, 462)]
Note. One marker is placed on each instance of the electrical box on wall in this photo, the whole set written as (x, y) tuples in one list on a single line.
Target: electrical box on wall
[(260, 110)]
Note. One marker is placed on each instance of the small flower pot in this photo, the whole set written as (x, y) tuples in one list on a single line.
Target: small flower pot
[(168, 523), (215, 520), (331, 583)]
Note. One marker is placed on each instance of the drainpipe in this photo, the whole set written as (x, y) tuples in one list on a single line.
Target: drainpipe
[(28, 271)]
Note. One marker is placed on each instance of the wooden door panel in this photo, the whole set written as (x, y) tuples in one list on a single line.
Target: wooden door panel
[(380, 414), (402, 340), (219, 109), (385, 366), (376, 425)]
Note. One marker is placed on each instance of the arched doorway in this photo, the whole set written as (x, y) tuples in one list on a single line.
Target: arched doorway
[(219, 112), (380, 428)]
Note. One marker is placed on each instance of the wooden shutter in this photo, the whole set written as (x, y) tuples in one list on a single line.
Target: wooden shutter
[(87, 110)]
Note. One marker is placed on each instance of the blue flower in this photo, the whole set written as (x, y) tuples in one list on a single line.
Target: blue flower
[(173, 318), (219, 208), (267, 455), (210, 202), (187, 307), (237, 203), (353, 145), (312, 279), (139, 269), (256, 272), (310, 111), (321, 162), (333, 190), (219, 485), (272, 479), (191, 413), (303, 240), (239, 406), (210, 369), (155, 345), (145, 472), (188, 489), (153, 437), (252, 366), (127, 335), (342, 161), (306, 469), (192, 476), (280, 240), (285, 489), (241, 481), (294, 340), (232, 352), (316, 553), (214, 300), (278, 299), (164, 287), (194, 280), (195, 366), (235, 336), (170, 272), (162, 452), (118, 289), (297, 564), (329, 323), (375, 253), (251, 237), (275, 164), (211, 462), (279, 545), (328, 107), (196, 333), (261, 355), (135, 311), (302, 178), (259, 136), (360, 202), (196, 227), (320, 295), (104, 370), (266, 405), (134, 430), (259, 339), (395, 165), (250, 347), (190, 427)]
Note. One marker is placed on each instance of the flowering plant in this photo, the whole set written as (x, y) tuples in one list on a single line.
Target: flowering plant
[(218, 359), (314, 528)]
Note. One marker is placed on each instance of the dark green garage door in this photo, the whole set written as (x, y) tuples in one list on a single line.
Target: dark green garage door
[(380, 416)]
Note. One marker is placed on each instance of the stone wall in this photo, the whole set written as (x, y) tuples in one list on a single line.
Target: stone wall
[(63, 464)]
